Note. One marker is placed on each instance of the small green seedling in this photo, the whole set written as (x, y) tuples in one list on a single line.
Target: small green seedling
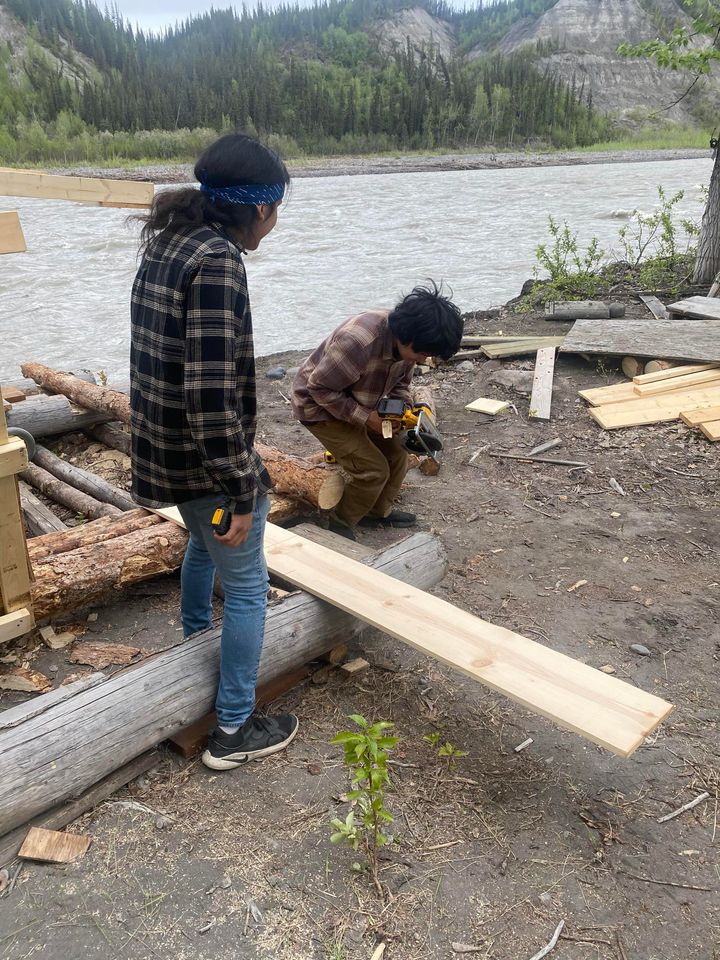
[(366, 754), (447, 749)]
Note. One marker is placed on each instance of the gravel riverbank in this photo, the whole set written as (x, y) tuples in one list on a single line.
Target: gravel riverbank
[(400, 163)]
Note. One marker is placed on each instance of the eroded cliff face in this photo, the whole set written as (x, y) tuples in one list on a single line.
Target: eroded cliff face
[(420, 28), (584, 36)]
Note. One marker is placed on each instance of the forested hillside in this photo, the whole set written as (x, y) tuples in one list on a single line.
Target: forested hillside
[(312, 79)]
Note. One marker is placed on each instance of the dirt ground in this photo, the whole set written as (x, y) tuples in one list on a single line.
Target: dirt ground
[(491, 850)]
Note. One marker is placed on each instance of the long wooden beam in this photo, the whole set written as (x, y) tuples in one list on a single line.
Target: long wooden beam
[(12, 239), (91, 190)]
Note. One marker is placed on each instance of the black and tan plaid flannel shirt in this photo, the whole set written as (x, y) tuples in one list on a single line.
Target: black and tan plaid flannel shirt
[(192, 373)]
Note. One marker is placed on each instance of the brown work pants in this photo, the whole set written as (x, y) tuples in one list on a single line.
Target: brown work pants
[(374, 468)]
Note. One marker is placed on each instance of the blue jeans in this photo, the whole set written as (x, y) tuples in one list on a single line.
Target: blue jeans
[(244, 578)]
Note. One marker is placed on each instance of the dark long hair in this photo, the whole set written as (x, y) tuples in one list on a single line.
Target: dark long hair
[(233, 159)]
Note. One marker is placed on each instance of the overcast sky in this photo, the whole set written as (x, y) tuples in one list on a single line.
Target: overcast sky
[(164, 13)]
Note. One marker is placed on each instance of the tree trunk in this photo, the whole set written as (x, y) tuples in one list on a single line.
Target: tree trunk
[(88, 534), (51, 755), (66, 581), (66, 495), (707, 264), (88, 395), (83, 480), (111, 436), (49, 416)]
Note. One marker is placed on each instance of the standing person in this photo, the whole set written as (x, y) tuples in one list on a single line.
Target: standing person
[(193, 414), (336, 391)]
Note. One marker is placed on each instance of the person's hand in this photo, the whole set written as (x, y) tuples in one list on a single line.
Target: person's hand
[(374, 423), (239, 530)]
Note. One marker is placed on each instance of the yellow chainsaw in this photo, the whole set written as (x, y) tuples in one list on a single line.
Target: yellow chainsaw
[(418, 431)]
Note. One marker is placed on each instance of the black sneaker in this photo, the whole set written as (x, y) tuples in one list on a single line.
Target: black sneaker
[(397, 518), (257, 738), (341, 530)]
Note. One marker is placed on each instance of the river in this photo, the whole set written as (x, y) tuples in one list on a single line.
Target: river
[(342, 243)]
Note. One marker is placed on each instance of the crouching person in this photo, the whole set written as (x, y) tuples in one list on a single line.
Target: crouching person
[(336, 392)]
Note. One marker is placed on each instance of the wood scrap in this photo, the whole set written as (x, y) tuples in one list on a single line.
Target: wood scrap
[(487, 405), (50, 846), (711, 430), (12, 394), (544, 447), (25, 680), (541, 398), (686, 806), (656, 307), (39, 519), (101, 654), (678, 338), (351, 667), (551, 944), (529, 459)]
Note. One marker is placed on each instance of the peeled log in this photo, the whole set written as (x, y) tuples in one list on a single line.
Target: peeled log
[(66, 581), (83, 480), (66, 495), (88, 395), (50, 416), (53, 754)]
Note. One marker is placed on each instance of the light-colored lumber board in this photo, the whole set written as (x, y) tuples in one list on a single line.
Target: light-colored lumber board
[(90, 190), (614, 393), (479, 341), (677, 383), (695, 416), (15, 624), (487, 405), (13, 457), (15, 572), (51, 846), (602, 708), (678, 338), (671, 373), (12, 238), (520, 347), (656, 307), (699, 307), (645, 410), (711, 429), (541, 398)]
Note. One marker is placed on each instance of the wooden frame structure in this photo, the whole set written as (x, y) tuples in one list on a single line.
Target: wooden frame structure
[(16, 616)]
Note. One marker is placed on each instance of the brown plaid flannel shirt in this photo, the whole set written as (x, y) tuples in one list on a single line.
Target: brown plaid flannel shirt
[(350, 371)]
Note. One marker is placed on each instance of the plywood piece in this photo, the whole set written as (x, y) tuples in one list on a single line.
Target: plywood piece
[(698, 307), (90, 190), (51, 846), (644, 410), (694, 417), (678, 338), (676, 383), (604, 709), (673, 372), (487, 405), (711, 429), (12, 238), (541, 399)]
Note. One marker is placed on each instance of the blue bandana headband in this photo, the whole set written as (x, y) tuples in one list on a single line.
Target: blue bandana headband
[(247, 193)]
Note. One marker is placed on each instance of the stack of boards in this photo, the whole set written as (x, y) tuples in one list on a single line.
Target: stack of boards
[(688, 393)]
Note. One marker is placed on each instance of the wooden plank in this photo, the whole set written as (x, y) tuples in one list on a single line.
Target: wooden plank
[(673, 372), (541, 398), (678, 338), (644, 410), (656, 307), (614, 393), (711, 429), (15, 572), (694, 417), (90, 190), (520, 347), (487, 405), (602, 708), (13, 457), (676, 383), (699, 307), (51, 846), (12, 238), (15, 624), (39, 519)]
